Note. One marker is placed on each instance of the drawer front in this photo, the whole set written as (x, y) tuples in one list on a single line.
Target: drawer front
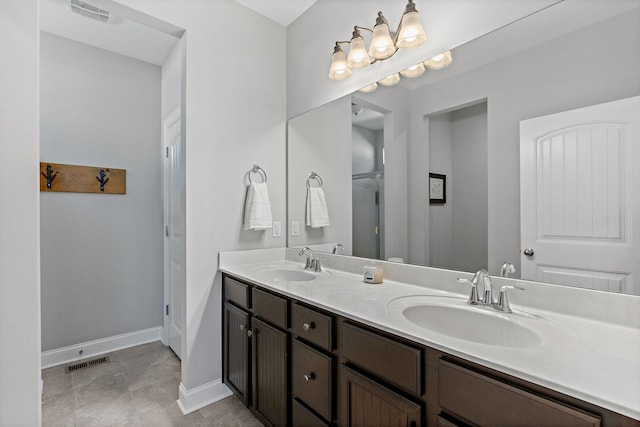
[(386, 358), (269, 307), (311, 378), (485, 401), (236, 292), (312, 326), (302, 417)]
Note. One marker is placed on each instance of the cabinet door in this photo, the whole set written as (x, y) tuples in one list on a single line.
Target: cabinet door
[(368, 404), (236, 351), (270, 367)]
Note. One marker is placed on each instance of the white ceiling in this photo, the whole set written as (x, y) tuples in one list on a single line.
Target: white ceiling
[(124, 36), (284, 12)]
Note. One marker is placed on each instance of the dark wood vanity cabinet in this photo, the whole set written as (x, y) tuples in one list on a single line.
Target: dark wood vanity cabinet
[(256, 350), (294, 364)]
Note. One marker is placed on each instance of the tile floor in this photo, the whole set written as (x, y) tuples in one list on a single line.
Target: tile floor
[(139, 387)]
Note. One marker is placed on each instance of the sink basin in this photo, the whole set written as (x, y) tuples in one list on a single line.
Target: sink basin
[(473, 324), (286, 275), (453, 317)]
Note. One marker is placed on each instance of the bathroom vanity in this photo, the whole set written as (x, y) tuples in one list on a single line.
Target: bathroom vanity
[(318, 349)]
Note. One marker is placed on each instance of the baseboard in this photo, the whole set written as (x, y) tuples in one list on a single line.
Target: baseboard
[(201, 396), (60, 356)]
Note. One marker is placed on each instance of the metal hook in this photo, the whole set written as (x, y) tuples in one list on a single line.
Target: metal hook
[(102, 179), (50, 176)]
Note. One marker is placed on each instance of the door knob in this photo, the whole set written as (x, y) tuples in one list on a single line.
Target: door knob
[(528, 252)]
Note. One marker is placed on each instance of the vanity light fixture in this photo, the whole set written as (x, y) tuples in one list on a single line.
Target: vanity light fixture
[(369, 88), (413, 71), (410, 34), (391, 80)]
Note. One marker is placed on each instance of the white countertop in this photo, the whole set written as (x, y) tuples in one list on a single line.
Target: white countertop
[(594, 360)]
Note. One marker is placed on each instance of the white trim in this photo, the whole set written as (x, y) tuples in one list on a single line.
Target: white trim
[(201, 396), (68, 354)]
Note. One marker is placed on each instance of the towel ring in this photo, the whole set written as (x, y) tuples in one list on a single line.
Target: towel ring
[(315, 176), (257, 169)]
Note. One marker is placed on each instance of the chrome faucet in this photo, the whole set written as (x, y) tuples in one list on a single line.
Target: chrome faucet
[(309, 264), (338, 248), (482, 276), (506, 269)]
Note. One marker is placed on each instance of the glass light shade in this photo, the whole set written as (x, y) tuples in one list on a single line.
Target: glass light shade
[(392, 80), (413, 71), (339, 69), (382, 45), (358, 56), (439, 61), (411, 32), (369, 88)]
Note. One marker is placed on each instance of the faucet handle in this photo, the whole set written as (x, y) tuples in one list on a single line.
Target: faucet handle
[(503, 301), (474, 299)]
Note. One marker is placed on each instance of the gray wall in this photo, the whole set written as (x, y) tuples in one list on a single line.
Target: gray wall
[(556, 76), (101, 254)]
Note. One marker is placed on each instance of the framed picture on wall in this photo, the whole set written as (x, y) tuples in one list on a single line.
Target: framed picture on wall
[(437, 189)]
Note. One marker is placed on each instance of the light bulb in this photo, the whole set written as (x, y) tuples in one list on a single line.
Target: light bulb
[(439, 61), (369, 88), (413, 71), (382, 45), (411, 32), (391, 80), (339, 69), (358, 56)]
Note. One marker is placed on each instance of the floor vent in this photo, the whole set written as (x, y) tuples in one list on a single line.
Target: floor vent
[(86, 364)]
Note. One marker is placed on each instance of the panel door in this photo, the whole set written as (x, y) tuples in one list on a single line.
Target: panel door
[(368, 404), (236, 351), (270, 367), (580, 201)]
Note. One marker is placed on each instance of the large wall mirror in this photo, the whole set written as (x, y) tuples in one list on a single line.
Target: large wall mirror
[(436, 171)]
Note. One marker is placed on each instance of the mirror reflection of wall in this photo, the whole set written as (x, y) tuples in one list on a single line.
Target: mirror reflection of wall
[(458, 149), (367, 182)]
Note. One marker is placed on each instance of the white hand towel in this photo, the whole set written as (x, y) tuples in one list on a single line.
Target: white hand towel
[(257, 207), (317, 211)]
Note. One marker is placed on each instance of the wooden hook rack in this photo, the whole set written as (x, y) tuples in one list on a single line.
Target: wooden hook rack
[(82, 179)]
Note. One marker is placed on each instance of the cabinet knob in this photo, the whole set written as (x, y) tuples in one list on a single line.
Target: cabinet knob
[(249, 333), (308, 377), (307, 326), (242, 327)]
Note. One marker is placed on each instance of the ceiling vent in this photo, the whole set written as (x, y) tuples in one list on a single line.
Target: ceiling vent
[(89, 11)]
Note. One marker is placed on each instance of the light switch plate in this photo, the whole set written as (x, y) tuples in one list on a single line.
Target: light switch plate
[(277, 229), (295, 228)]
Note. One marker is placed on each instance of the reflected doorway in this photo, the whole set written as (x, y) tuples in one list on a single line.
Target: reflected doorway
[(367, 182)]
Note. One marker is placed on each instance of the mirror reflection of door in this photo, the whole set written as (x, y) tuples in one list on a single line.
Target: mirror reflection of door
[(367, 182), (580, 212)]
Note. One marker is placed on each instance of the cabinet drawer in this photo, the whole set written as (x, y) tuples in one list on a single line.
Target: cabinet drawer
[(312, 326), (311, 379), (302, 417), (485, 401), (269, 307), (236, 292), (386, 358)]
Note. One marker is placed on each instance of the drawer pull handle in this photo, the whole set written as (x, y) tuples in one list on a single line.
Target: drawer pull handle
[(307, 326), (249, 333), (308, 377)]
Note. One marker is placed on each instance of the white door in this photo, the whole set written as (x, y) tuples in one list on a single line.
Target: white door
[(580, 201), (173, 196)]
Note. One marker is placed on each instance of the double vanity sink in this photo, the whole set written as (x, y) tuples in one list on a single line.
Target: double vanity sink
[(592, 359), (446, 315)]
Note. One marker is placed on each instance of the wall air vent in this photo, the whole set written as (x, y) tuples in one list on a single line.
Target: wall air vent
[(87, 364), (90, 11)]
